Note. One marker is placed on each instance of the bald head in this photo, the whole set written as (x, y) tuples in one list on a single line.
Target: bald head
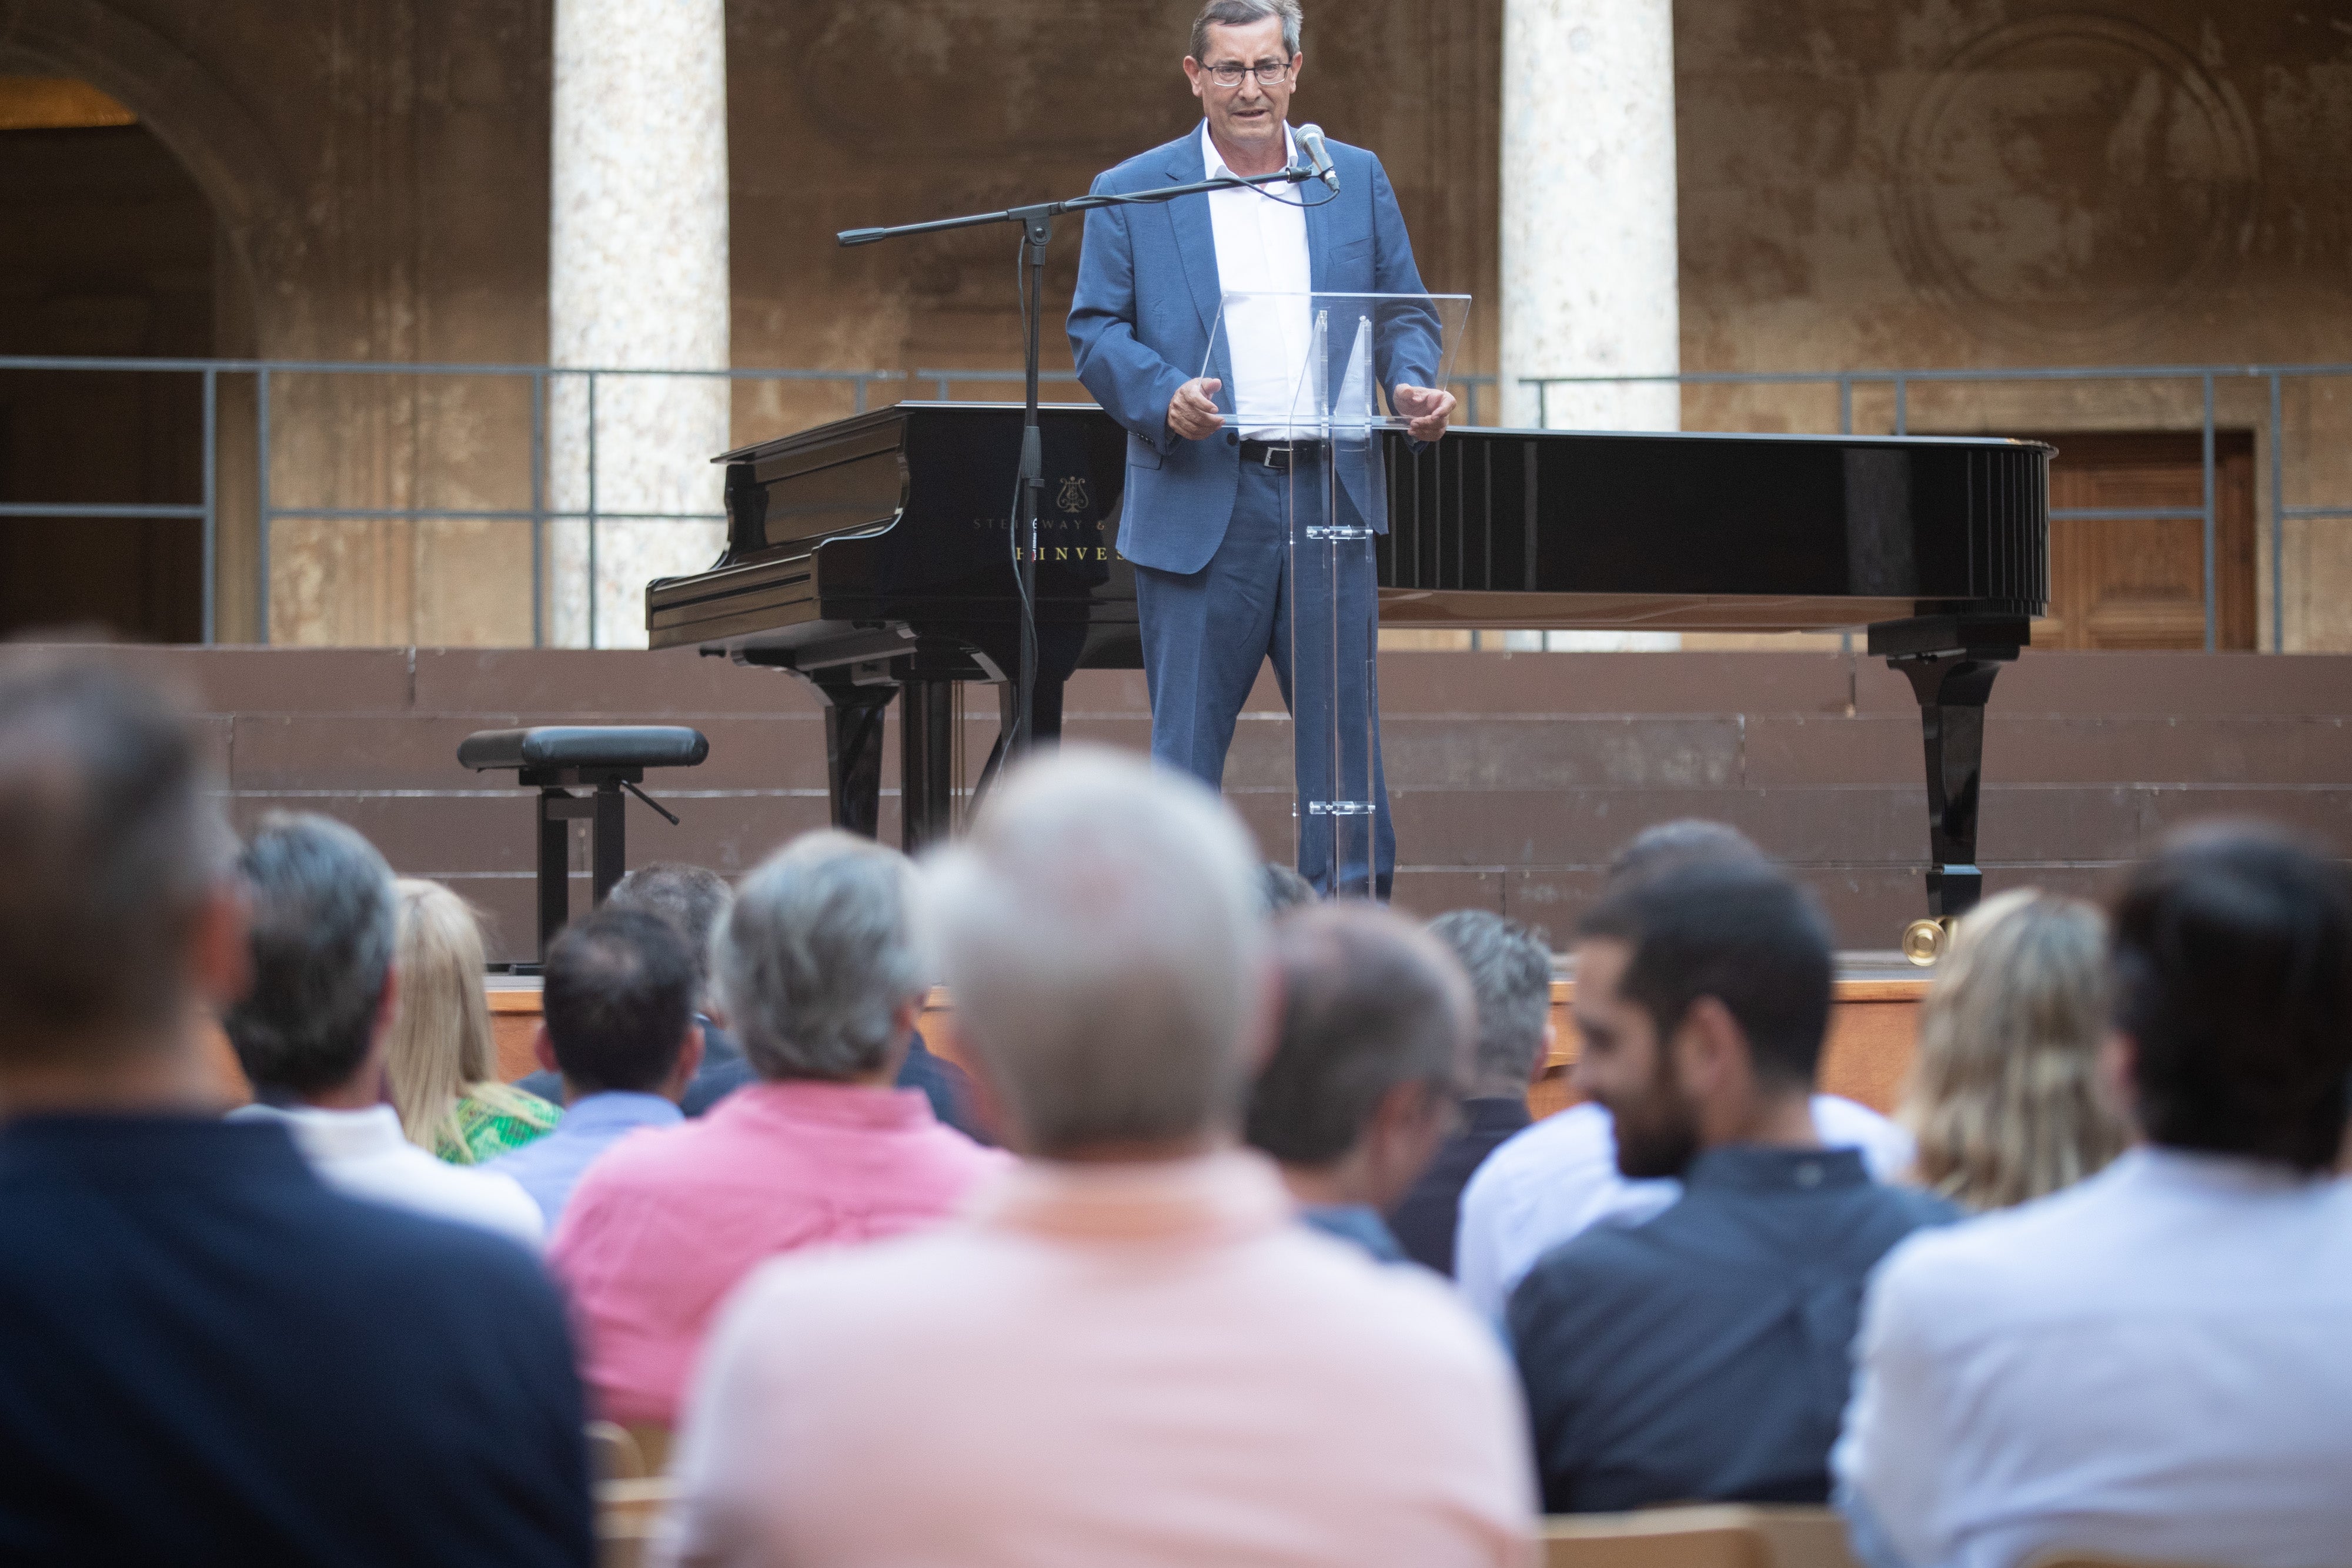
[(1099, 929)]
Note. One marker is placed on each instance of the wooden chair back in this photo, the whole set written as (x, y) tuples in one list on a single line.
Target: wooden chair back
[(627, 1513), (1710, 1536), (613, 1454)]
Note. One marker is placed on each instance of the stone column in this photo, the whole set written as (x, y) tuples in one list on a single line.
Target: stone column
[(1590, 284), (637, 281)]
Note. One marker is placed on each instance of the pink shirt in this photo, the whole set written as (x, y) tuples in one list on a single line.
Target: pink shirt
[(670, 1219), (1104, 1367)]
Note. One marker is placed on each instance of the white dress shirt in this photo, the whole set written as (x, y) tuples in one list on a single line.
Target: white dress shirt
[(364, 1155), (2156, 1362), (1261, 238), (1547, 1184)]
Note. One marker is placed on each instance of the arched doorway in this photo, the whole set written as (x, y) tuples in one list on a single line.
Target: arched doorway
[(107, 248)]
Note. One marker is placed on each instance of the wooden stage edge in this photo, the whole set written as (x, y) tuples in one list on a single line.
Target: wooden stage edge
[(1873, 1030)]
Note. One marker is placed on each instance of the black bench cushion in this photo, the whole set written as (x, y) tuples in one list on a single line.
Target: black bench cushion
[(584, 745)]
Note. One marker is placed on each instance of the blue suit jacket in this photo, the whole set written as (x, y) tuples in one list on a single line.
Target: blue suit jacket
[(1147, 301)]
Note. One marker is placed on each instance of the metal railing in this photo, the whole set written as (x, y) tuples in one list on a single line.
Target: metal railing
[(861, 387), (1902, 382)]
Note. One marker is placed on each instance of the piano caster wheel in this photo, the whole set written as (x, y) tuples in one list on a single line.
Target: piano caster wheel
[(1923, 941)]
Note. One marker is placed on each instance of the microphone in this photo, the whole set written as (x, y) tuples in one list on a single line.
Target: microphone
[(1318, 157)]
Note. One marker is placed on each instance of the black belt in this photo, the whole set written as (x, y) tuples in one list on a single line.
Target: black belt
[(1277, 454)]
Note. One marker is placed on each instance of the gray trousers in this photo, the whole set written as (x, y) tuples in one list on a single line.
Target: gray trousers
[(1206, 632)]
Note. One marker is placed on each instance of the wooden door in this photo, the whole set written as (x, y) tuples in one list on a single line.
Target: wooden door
[(2139, 582)]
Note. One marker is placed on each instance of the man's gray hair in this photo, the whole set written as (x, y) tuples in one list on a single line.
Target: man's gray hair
[(1100, 932), (816, 957), (690, 897), (1509, 968), (1241, 13), (324, 924)]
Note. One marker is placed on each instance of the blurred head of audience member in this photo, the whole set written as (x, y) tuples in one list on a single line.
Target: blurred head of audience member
[(1368, 1070), (441, 1061), (694, 899), (211, 1357), (1701, 995), (1687, 841), (2234, 998), (2151, 1362), (1701, 1355), (617, 1006), (817, 968), (123, 928), (1101, 930), (816, 965), (1509, 968), (313, 1033), (325, 926), (2004, 1098), (1281, 888), (619, 1029)]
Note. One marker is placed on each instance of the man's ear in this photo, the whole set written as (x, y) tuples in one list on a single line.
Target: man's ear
[(2118, 1081), (1542, 1063), (220, 948), (1710, 1049), (542, 1050), (689, 1060), (1263, 1031)]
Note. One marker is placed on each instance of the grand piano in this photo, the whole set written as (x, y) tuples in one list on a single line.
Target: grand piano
[(874, 558)]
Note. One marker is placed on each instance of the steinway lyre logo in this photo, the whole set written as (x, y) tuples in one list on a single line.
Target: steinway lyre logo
[(1072, 498)]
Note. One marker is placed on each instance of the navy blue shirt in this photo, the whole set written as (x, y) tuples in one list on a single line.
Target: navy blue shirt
[(1702, 1355), (1424, 1221), (207, 1357)]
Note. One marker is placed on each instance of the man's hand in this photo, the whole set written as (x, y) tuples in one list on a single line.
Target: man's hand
[(1425, 408), (1192, 411)]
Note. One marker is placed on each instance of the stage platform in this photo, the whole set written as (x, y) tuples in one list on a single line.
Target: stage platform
[(1514, 776)]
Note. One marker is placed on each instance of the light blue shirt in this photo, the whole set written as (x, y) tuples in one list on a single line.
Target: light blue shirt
[(548, 1167)]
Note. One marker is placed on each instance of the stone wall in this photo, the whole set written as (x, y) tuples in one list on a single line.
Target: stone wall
[(1985, 182)]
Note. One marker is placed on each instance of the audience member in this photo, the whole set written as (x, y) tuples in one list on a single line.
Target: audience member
[(311, 1034), (442, 1060), (1668, 846), (817, 968), (1127, 1351), (212, 1357), (1544, 1185), (2004, 1099), (2152, 1363), (1377, 1022), (1701, 1355), (1510, 978), (694, 899), (618, 1026)]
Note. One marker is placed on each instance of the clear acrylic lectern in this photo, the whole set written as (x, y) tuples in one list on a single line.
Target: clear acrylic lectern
[(1316, 377)]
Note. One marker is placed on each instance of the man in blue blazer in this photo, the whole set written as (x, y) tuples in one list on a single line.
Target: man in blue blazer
[(1208, 471)]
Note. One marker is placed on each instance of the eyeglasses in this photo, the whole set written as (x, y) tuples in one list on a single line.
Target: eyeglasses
[(1229, 73)]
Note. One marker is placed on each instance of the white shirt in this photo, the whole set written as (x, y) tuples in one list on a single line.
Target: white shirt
[(2156, 1362), (1261, 238), (364, 1155), (1549, 1182)]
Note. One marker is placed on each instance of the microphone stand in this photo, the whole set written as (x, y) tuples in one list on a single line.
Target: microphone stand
[(1037, 232)]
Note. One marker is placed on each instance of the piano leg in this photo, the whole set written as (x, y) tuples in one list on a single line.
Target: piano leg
[(1951, 663), (1044, 726), (926, 763), (853, 751)]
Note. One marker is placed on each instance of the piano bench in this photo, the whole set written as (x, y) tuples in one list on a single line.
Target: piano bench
[(557, 759)]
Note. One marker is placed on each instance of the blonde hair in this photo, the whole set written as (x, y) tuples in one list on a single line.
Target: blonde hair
[(2003, 1097), (441, 1050)]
